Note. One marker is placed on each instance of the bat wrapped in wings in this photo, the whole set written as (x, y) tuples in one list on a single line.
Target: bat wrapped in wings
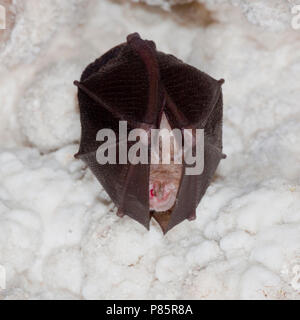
[(148, 89)]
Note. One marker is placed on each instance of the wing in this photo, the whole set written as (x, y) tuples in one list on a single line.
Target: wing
[(193, 187), (134, 82), (121, 85), (193, 100)]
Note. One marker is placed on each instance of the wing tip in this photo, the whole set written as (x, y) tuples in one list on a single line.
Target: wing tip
[(192, 217), (221, 82), (120, 213)]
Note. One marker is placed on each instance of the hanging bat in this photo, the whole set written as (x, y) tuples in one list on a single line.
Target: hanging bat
[(148, 89)]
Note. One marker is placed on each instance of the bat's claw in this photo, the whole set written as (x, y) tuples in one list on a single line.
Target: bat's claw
[(192, 216), (120, 213)]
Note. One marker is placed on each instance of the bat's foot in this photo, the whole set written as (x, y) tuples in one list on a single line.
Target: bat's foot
[(120, 213), (192, 216)]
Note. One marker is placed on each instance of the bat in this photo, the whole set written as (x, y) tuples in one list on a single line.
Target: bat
[(148, 89)]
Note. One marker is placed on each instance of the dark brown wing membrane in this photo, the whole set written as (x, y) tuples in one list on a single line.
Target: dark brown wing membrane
[(194, 93), (193, 187), (120, 86), (136, 83)]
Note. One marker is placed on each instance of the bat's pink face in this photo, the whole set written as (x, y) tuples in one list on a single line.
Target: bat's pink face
[(163, 186), (164, 180)]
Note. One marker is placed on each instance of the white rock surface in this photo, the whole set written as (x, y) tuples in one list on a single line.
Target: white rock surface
[(270, 14), (59, 235), (48, 112), (33, 24)]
